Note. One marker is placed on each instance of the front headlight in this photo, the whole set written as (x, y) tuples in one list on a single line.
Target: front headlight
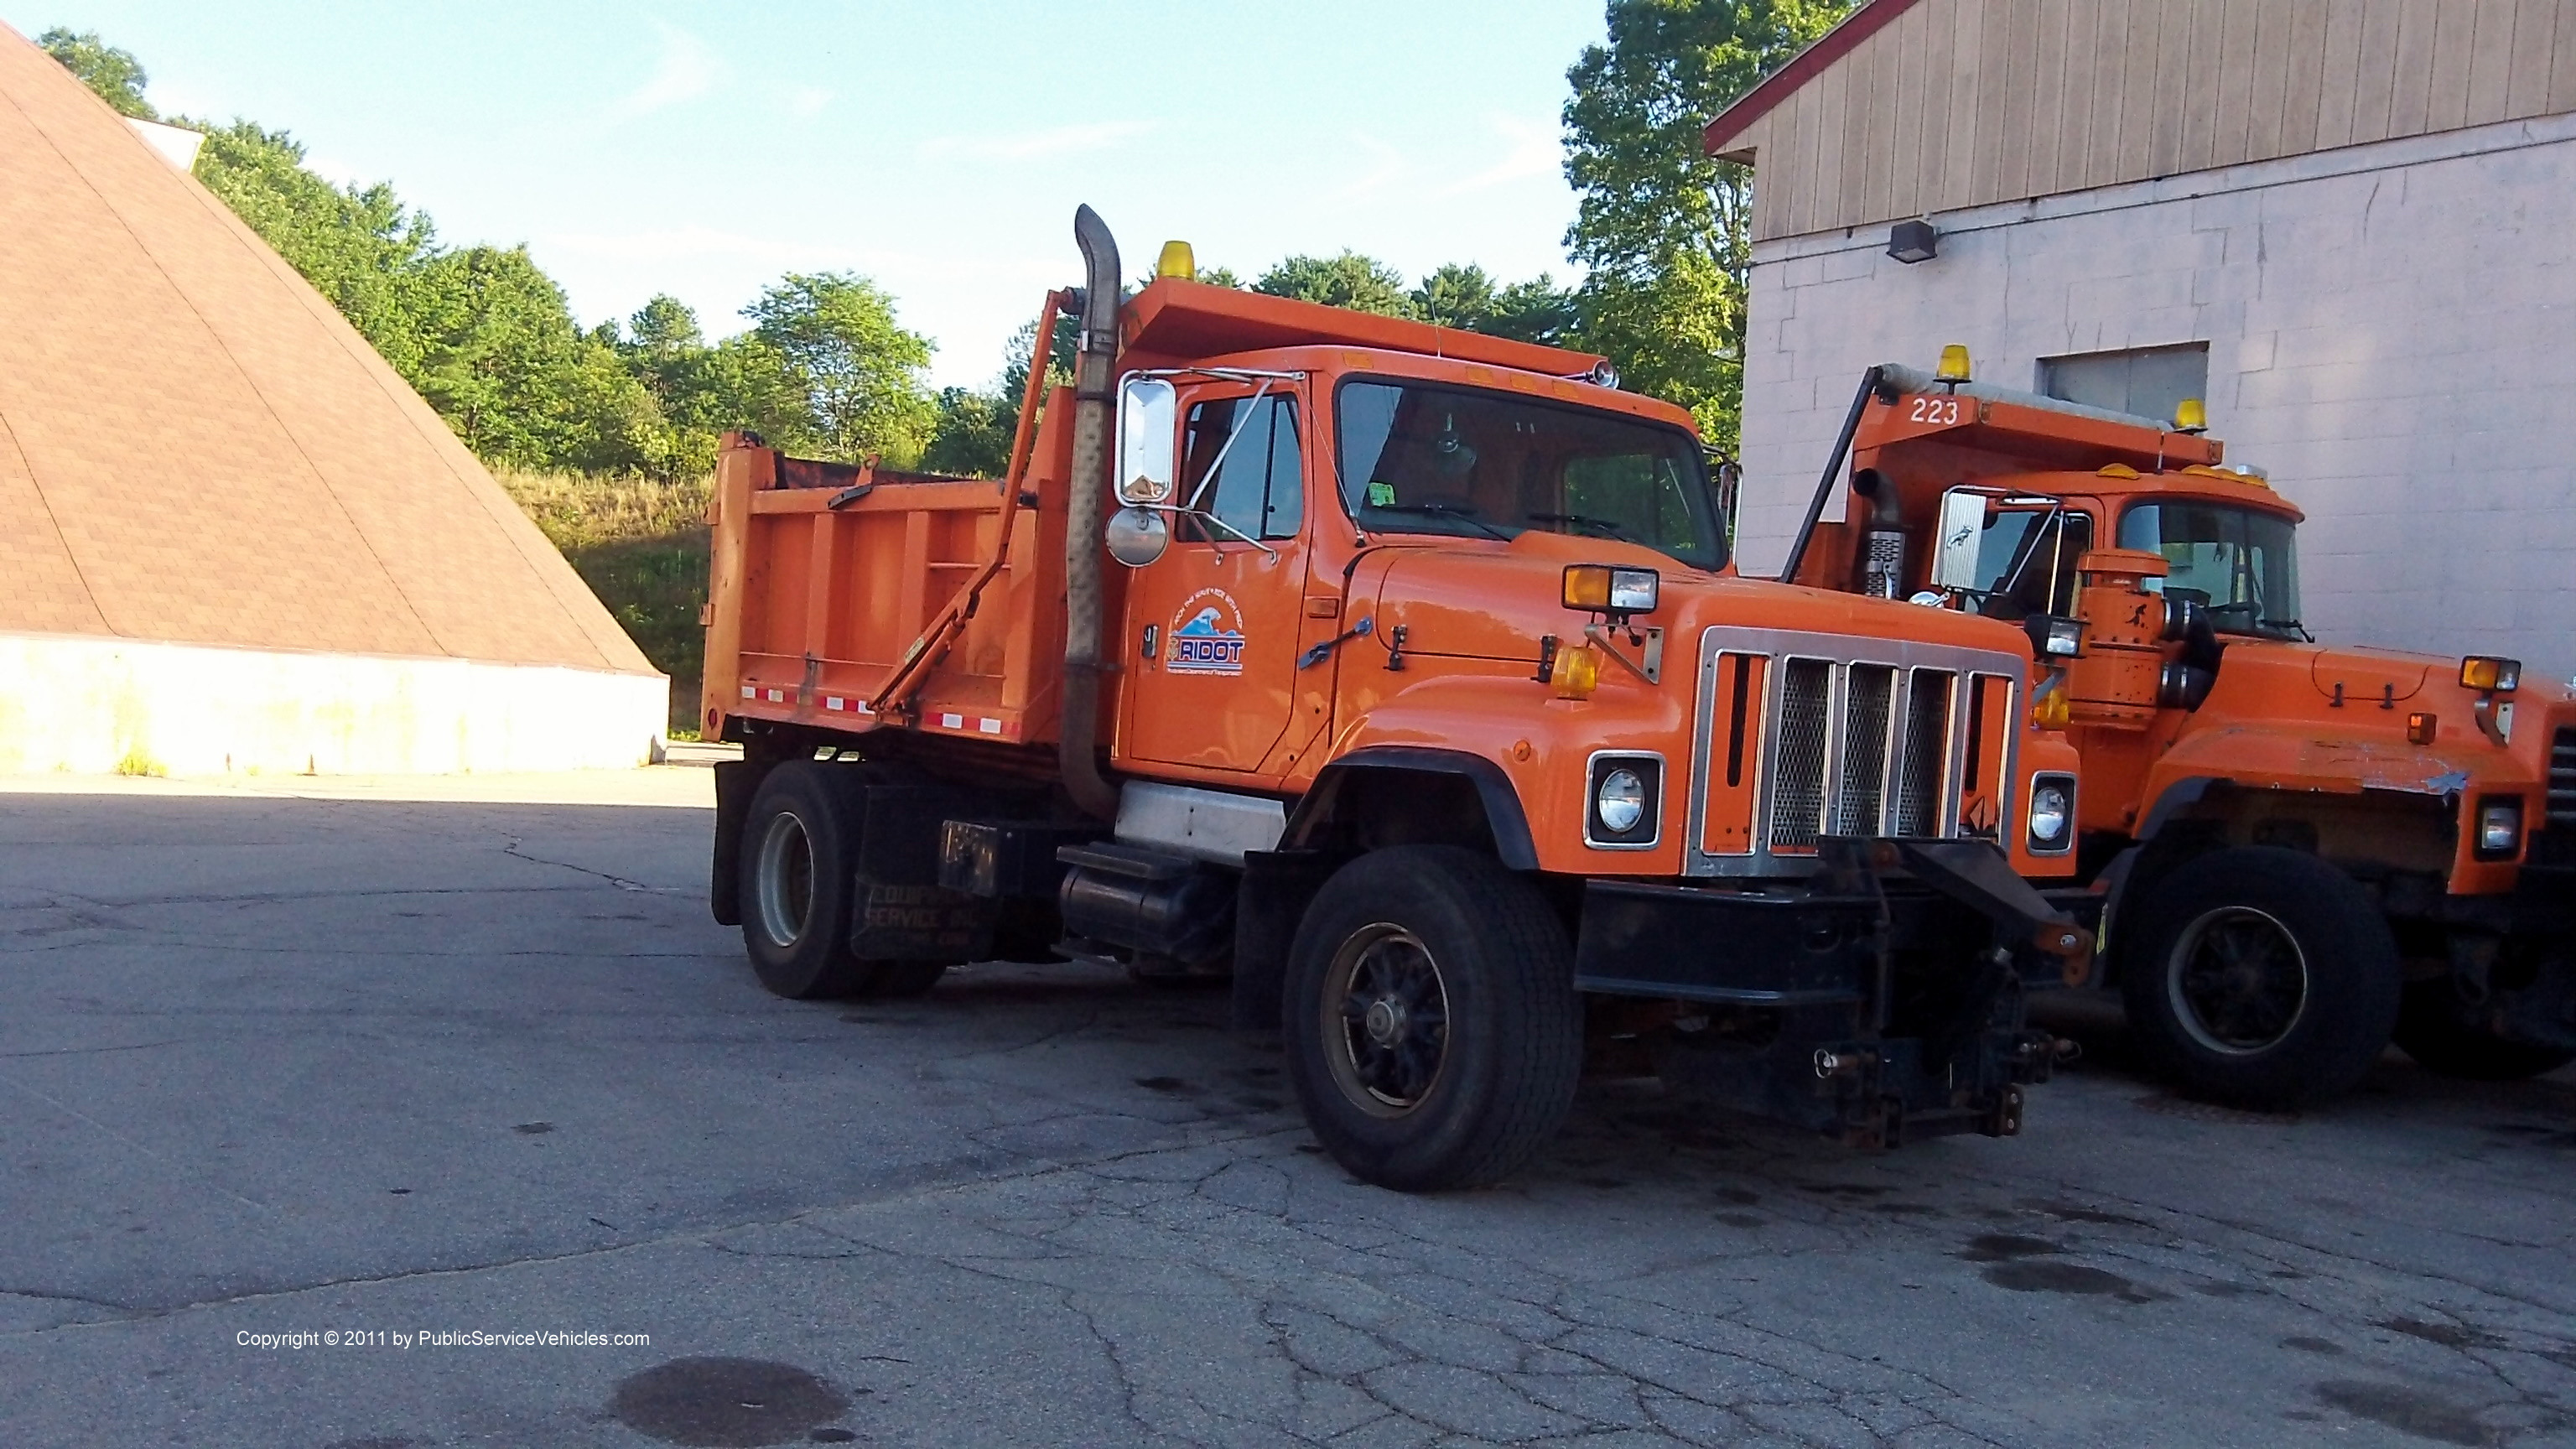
[(2052, 813), (1621, 801), (1627, 789), (2499, 828)]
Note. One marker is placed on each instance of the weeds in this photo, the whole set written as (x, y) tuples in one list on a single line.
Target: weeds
[(641, 546)]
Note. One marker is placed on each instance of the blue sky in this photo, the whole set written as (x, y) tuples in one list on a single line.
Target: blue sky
[(703, 149)]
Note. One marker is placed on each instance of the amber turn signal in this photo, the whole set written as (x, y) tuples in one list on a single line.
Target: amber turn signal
[(1601, 589), (2480, 671), (2419, 728), (1576, 673), (2051, 710)]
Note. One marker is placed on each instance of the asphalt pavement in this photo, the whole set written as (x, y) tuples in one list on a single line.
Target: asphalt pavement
[(323, 1104)]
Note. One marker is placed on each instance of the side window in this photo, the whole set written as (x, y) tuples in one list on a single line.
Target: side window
[(1258, 488), (2019, 555)]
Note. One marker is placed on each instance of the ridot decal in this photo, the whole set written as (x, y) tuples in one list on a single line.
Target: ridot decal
[(1207, 635)]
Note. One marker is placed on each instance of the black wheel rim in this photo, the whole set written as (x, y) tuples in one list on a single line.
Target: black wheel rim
[(785, 880), (2238, 981), (1385, 1020)]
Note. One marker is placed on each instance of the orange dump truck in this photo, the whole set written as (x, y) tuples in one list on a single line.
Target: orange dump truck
[(2300, 849), (1399, 673)]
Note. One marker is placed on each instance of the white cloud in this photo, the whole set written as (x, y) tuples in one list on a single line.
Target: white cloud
[(1531, 148), (809, 101), (1387, 165), (687, 69), (1069, 140)]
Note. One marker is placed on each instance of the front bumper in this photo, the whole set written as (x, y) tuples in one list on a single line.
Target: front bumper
[(1879, 1000)]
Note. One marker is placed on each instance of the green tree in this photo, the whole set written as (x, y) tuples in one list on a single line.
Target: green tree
[(976, 427), (1462, 295), (115, 74), (859, 370), (1663, 228), (973, 433), (358, 246), (1363, 284), (1455, 296), (522, 385)]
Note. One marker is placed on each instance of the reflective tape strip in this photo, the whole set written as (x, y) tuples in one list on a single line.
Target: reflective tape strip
[(834, 701), (952, 721), (777, 696), (989, 726), (750, 693)]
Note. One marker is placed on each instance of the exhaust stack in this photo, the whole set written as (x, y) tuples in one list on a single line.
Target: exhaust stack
[(1094, 361)]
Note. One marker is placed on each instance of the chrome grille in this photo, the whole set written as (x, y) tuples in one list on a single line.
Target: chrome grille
[(1844, 735), (1806, 709), (2562, 776), (1925, 754), (1870, 696)]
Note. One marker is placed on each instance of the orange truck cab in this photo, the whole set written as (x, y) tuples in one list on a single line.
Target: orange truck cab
[(2299, 849), (1401, 674)]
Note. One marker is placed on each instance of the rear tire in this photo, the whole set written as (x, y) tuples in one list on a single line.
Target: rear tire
[(799, 871), (2260, 977), (1433, 1031), (2430, 1029)]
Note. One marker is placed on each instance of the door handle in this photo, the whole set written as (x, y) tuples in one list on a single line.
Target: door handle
[(1152, 633)]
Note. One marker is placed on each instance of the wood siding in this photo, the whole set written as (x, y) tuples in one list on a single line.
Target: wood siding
[(1959, 103)]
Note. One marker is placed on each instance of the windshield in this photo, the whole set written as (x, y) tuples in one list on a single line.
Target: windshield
[(1418, 458), (2236, 560)]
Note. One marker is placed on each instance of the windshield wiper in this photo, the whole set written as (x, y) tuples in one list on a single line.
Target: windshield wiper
[(1586, 520), (1442, 510), (2291, 625)]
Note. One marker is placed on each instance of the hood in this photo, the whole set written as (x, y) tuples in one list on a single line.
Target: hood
[(1495, 601)]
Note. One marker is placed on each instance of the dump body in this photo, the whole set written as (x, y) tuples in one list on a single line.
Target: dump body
[(2204, 715), (1350, 650)]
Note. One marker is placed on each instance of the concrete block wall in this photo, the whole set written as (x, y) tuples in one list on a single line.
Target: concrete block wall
[(87, 704), (2389, 329)]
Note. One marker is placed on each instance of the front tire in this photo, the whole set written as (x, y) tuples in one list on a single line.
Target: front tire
[(1433, 1031), (2430, 1029), (799, 871), (2260, 977)]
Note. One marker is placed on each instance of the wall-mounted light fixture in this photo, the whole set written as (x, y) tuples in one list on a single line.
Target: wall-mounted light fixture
[(1913, 241)]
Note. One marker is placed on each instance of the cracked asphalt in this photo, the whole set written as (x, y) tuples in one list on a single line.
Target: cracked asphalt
[(274, 1065)]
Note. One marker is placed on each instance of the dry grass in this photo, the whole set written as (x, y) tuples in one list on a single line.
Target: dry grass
[(642, 548), (578, 511)]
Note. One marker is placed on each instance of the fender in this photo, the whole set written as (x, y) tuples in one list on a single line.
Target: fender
[(2177, 796), (1513, 844)]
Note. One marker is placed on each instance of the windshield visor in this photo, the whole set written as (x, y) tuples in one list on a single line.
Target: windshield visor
[(1417, 458), (2238, 561)]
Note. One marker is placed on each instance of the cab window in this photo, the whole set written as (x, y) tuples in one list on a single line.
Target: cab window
[(1254, 487), (2021, 552)]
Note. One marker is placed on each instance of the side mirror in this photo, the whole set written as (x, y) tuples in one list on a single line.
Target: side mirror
[(1137, 536), (1148, 414), (1963, 528)]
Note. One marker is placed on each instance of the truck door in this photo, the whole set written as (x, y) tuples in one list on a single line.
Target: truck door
[(1213, 625)]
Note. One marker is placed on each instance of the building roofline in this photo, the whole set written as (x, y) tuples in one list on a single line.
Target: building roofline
[(1776, 87)]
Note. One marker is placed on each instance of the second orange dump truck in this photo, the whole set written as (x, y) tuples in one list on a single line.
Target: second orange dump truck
[(1401, 673), (2298, 850)]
